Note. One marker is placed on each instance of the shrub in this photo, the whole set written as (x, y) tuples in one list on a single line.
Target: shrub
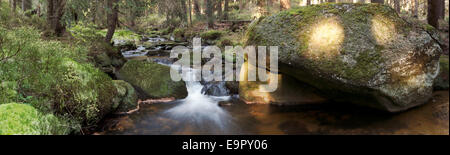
[(211, 34), (53, 77)]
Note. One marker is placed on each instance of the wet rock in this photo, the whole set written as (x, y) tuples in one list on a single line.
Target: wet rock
[(107, 57), (442, 81), (125, 45), (356, 53), (153, 79), (233, 86), (289, 91), (215, 88), (127, 98)]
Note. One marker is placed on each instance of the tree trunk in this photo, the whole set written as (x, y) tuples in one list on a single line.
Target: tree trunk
[(112, 18), (184, 9), (397, 6), (190, 12), (197, 9), (55, 11), (226, 9), (26, 5), (219, 9), (378, 1), (331, 1), (94, 11), (285, 4), (209, 13), (242, 4), (442, 9), (308, 2), (415, 10), (14, 5), (433, 13)]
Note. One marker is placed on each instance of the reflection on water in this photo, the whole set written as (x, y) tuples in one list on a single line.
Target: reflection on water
[(327, 118)]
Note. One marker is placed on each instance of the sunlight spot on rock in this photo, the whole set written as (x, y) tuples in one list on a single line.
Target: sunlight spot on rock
[(326, 38), (383, 29)]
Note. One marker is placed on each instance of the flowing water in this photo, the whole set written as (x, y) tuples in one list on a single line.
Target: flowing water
[(199, 108), (203, 114)]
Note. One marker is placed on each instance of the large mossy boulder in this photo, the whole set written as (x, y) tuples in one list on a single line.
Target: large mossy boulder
[(152, 79), (357, 53), (83, 92), (22, 119)]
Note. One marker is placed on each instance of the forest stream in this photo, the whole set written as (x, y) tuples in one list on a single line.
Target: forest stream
[(201, 114)]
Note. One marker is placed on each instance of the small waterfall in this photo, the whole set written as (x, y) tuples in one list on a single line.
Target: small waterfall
[(198, 107)]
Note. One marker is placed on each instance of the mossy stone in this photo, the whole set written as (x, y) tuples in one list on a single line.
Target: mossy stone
[(153, 79), (359, 53), (84, 92), (128, 96)]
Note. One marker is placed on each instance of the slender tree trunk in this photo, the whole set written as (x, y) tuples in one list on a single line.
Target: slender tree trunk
[(331, 1), (190, 12), (442, 9), (112, 18), (209, 13), (183, 15), (415, 11), (197, 9), (433, 13), (242, 4), (94, 11), (308, 2), (14, 5), (226, 9), (26, 5), (397, 6), (378, 1), (219, 9), (285, 4)]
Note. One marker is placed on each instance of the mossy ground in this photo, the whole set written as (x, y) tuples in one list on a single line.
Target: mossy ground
[(23, 119), (54, 75)]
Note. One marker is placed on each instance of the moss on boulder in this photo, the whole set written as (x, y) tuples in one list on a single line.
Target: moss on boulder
[(359, 53), (22, 119), (442, 81), (84, 92), (153, 79), (127, 96)]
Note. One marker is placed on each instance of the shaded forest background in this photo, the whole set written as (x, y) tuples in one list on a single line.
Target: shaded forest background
[(141, 15)]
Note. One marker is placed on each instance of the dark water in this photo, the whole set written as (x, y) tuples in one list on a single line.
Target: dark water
[(327, 118)]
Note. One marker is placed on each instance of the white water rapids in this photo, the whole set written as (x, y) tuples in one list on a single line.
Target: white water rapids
[(198, 107)]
